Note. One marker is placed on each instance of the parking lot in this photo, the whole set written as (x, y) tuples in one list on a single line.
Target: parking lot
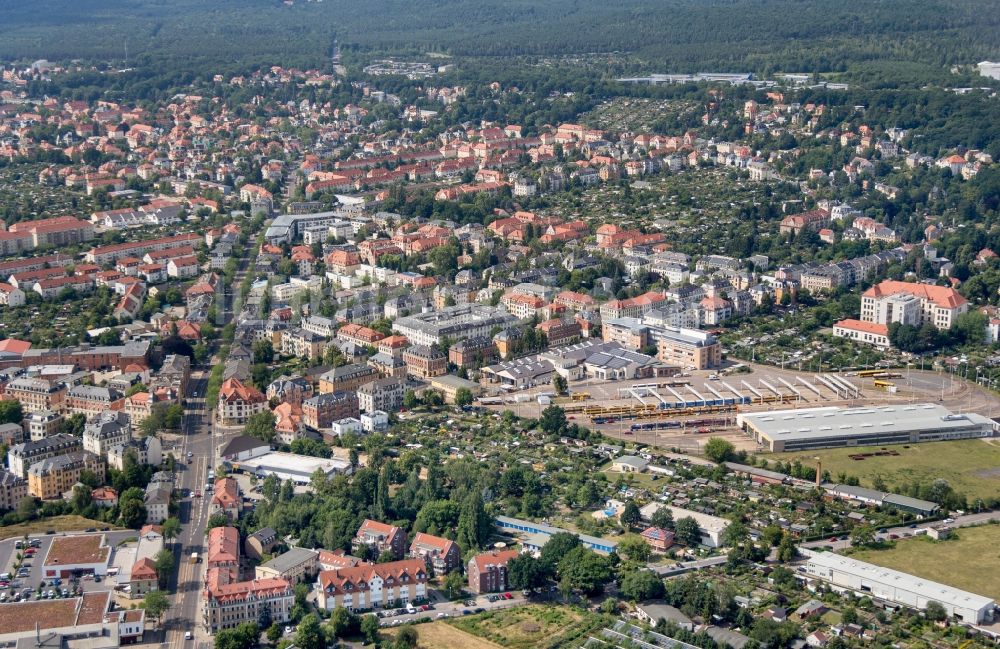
[(440, 608), (26, 581)]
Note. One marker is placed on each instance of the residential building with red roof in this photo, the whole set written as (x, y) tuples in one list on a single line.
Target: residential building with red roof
[(229, 605), (226, 499), (376, 537), (368, 586), (238, 402), (632, 307), (487, 571), (442, 555)]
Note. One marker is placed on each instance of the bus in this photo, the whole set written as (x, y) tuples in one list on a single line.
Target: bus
[(885, 385)]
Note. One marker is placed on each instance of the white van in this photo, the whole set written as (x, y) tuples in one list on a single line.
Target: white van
[(187, 635)]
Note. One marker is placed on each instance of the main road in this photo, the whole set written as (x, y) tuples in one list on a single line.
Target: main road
[(197, 457)]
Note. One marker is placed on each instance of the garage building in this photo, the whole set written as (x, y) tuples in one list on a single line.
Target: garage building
[(832, 427)]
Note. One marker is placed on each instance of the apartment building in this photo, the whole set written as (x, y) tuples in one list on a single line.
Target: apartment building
[(368, 586), (105, 431), (109, 254), (322, 410), (238, 402), (37, 395), (688, 348), (232, 604), (44, 423), (54, 476), (454, 323), (632, 307), (12, 489), (302, 343), (476, 351), (424, 362), (226, 499), (381, 394), (346, 378), (22, 456)]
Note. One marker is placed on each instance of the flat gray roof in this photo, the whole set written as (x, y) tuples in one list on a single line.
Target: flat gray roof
[(931, 590), (292, 558), (835, 422)]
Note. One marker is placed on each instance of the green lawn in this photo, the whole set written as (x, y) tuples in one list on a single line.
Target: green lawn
[(971, 467), (969, 561)]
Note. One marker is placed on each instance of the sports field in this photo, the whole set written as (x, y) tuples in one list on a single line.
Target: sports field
[(970, 561), (971, 466)]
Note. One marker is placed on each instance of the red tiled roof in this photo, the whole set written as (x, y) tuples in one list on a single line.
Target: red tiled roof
[(495, 558), (941, 296), (861, 325), (334, 581)]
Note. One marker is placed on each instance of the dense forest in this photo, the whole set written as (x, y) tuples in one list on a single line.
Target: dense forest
[(761, 36)]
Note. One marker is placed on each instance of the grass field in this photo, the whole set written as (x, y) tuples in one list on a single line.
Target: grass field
[(69, 523), (440, 635), (524, 627), (960, 562), (971, 467)]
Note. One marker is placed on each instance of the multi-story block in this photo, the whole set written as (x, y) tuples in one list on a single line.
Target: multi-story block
[(442, 555), (689, 348), (375, 538), (454, 323), (368, 586), (302, 343), (43, 423), (90, 400), (473, 352), (145, 450)]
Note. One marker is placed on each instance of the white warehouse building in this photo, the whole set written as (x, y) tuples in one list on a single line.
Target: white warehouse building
[(843, 573)]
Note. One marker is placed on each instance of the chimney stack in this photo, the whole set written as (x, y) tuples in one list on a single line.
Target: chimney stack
[(819, 471)]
